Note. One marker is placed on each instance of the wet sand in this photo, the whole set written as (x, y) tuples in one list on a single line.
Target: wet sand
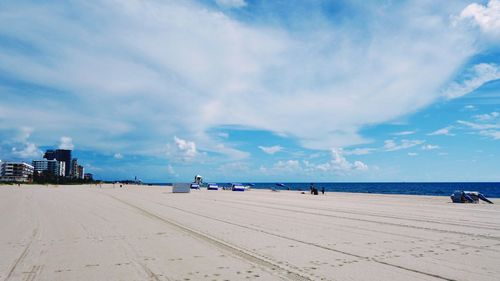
[(149, 233)]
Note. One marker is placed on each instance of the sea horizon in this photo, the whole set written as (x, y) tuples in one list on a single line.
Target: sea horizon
[(489, 189)]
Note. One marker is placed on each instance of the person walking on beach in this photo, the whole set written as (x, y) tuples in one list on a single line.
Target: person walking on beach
[(311, 188), (323, 190)]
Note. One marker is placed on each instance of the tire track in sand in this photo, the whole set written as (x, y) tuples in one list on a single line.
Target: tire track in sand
[(310, 211), (270, 267), (313, 244), (22, 256)]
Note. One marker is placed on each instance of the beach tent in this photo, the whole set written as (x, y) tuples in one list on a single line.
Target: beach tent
[(212, 186), (237, 187), (181, 187)]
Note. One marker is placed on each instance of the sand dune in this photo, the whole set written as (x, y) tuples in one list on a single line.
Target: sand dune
[(149, 233)]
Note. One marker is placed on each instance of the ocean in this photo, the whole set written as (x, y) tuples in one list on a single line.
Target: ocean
[(489, 189)]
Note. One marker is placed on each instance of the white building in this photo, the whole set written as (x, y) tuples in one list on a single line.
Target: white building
[(54, 167), (16, 172)]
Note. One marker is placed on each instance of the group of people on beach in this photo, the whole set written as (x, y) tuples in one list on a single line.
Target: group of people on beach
[(314, 190)]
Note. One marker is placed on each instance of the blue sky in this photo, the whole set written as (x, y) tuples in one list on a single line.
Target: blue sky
[(247, 90)]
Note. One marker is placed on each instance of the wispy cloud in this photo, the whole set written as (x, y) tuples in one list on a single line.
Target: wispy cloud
[(271, 149), (430, 147), (442, 132), (231, 3), (144, 70), (487, 125), (288, 165), (477, 76), (470, 107), (495, 134), (171, 171), (359, 151), (404, 133), (412, 154), (479, 126), (118, 156), (392, 145), (487, 116)]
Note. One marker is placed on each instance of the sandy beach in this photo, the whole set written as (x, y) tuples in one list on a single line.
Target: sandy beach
[(149, 233)]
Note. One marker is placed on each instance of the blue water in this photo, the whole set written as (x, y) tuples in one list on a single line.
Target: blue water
[(489, 189)]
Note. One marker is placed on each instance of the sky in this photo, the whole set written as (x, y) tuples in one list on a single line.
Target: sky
[(255, 90)]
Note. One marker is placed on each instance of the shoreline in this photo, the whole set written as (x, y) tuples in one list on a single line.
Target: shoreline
[(270, 188)]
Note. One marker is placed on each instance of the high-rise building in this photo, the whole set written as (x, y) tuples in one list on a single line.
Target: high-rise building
[(75, 171), (53, 167), (60, 155), (16, 171), (81, 172)]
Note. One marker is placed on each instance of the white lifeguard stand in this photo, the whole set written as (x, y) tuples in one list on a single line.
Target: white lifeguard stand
[(198, 179)]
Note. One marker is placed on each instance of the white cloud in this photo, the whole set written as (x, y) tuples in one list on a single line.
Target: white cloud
[(412, 154), (479, 126), (470, 107), (271, 149), (495, 134), (149, 72), (404, 133), (478, 75), (358, 165), (486, 17), (22, 147), (171, 171), (28, 151), (338, 165), (186, 148), (391, 145), (66, 143), (232, 153), (484, 126), (24, 134), (118, 156), (430, 147), (443, 132), (486, 116), (289, 165), (359, 151), (223, 135), (231, 3)]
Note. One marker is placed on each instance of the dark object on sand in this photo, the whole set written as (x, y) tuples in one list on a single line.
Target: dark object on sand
[(460, 196)]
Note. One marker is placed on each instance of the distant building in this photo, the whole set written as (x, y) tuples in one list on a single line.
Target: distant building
[(88, 176), (77, 171), (60, 155), (53, 167), (16, 172), (81, 172)]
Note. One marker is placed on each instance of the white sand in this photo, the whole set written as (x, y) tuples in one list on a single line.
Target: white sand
[(148, 233)]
